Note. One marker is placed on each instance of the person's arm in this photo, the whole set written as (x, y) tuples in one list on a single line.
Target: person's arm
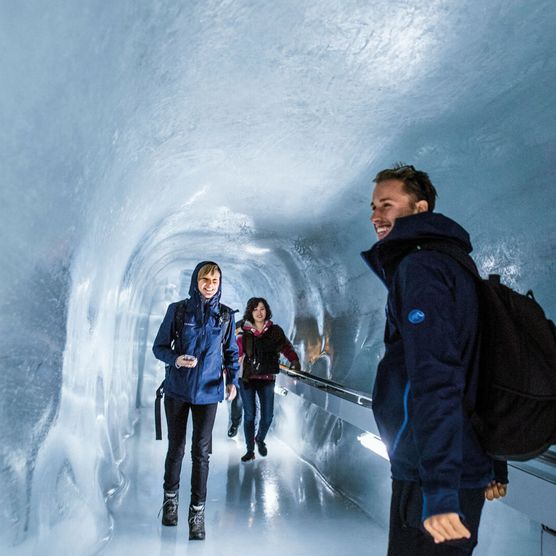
[(239, 341), (230, 352), (162, 346), (429, 315), (498, 487), (287, 350)]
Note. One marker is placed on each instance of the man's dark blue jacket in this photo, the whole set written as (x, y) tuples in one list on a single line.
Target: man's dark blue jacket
[(431, 341), (202, 337)]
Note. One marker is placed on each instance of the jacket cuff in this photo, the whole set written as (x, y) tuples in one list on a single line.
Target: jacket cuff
[(232, 379), (440, 501), (500, 469)]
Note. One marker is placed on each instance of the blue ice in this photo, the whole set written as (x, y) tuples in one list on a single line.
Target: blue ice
[(138, 138)]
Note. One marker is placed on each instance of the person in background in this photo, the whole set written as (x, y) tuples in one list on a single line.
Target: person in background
[(260, 343), (440, 473), (236, 407), (194, 383)]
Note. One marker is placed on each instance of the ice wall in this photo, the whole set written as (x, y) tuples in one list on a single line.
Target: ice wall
[(138, 138)]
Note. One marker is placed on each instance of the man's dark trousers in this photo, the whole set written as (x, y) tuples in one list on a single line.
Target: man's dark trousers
[(408, 538), (177, 413)]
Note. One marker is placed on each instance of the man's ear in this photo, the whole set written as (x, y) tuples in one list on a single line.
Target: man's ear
[(422, 206)]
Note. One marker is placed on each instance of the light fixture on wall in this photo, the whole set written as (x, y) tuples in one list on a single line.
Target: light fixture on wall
[(280, 391), (372, 442)]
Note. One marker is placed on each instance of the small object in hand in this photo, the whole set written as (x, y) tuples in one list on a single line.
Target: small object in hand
[(191, 359)]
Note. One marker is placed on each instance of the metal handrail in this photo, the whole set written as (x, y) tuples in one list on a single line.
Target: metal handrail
[(359, 398)]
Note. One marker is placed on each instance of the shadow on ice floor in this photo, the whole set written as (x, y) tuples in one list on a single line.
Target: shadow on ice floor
[(276, 505)]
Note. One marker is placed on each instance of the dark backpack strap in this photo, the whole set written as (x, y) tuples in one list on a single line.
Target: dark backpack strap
[(453, 250), (157, 418), (179, 319), (177, 328)]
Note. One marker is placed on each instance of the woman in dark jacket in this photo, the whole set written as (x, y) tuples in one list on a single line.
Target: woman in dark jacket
[(195, 340), (260, 343)]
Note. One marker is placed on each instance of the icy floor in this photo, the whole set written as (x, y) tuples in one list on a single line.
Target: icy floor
[(273, 506)]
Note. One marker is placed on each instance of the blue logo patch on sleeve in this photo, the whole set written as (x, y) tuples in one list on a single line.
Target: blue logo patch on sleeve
[(416, 316)]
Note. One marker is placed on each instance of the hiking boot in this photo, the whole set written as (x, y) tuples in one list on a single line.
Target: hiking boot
[(232, 431), (170, 508), (249, 456), (196, 522), (261, 446)]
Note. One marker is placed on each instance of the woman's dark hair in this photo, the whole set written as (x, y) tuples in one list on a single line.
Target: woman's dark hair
[(252, 305), (416, 182)]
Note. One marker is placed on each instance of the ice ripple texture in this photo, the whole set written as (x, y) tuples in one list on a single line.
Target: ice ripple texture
[(140, 138)]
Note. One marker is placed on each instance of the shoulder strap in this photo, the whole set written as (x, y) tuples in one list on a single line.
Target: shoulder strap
[(157, 419), (179, 319), (453, 250)]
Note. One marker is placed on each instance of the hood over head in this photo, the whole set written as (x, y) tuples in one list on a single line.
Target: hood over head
[(194, 292)]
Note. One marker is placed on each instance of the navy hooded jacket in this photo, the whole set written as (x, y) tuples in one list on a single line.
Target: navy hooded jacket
[(202, 336), (431, 353)]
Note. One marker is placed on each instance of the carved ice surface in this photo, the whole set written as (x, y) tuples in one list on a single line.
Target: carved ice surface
[(138, 138)]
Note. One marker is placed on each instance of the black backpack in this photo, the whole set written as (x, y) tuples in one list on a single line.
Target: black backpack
[(178, 324), (515, 412)]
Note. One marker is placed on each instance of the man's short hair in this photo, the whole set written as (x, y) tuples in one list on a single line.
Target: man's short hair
[(207, 269), (416, 182)]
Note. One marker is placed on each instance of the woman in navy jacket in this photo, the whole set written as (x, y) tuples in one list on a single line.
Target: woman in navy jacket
[(194, 382)]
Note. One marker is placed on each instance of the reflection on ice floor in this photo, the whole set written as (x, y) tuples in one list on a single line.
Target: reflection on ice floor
[(276, 505)]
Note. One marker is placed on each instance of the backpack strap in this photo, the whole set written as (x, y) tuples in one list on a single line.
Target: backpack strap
[(177, 328), (453, 250), (464, 259), (157, 419), (179, 319)]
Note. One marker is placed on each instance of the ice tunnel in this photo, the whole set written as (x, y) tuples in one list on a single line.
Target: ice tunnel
[(139, 138)]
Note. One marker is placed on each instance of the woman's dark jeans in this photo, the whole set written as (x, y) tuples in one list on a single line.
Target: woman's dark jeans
[(264, 389), (201, 445)]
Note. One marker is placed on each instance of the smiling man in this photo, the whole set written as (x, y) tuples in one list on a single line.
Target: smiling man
[(196, 340), (440, 473)]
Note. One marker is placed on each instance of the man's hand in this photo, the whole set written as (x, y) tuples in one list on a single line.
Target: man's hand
[(295, 365), (446, 527), (231, 392), (495, 490), (188, 361)]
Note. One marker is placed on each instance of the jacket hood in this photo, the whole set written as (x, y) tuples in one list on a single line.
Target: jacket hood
[(195, 294), (384, 256)]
